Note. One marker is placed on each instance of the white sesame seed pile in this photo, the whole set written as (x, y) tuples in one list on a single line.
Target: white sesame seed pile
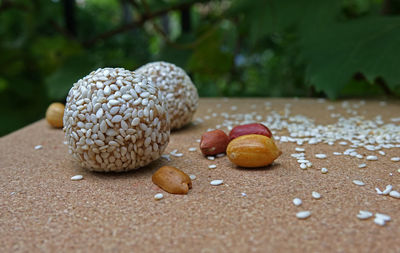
[(115, 120), (177, 88)]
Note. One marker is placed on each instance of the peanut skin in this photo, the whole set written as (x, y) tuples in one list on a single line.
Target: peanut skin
[(172, 180), (252, 151), (214, 142), (254, 128)]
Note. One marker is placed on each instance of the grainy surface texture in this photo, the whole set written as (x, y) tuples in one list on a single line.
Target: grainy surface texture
[(42, 210)]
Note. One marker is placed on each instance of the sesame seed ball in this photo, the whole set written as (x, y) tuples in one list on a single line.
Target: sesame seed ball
[(179, 91), (115, 120)]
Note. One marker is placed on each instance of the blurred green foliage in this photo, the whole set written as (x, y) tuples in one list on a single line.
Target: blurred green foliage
[(332, 48)]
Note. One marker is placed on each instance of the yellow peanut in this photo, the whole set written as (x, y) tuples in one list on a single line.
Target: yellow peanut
[(54, 115), (252, 150)]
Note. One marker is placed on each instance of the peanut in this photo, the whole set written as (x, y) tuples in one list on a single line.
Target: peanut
[(254, 128), (54, 115), (172, 180), (252, 150), (214, 142)]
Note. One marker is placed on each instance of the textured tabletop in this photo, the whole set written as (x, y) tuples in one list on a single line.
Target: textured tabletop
[(42, 210)]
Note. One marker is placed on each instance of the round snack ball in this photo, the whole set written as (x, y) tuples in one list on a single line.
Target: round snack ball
[(179, 91), (115, 120)]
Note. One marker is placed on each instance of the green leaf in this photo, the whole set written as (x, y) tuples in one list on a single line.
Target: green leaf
[(370, 46), (60, 82)]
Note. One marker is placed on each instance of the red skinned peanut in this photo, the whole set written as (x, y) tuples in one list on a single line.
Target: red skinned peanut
[(214, 142), (253, 128)]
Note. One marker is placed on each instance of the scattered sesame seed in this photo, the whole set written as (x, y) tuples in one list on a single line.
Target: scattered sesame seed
[(387, 190), (343, 143), (363, 215), (192, 149), (166, 157), (77, 177), (297, 201), (394, 194), (211, 158), (198, 140), (337, 153), (212, 166), (320, 156), (358, 182), (37, 147), (363, 165), (372, 158), (192, 176), (177, 154), (382, 216), (395, 159), (220, 155), (303, 166), (302, 161), (158, 196), (379, 221), (217, 182), (299, 149), (244, 194), (324, 170), (316, 195), (303, 214), (381, 152)]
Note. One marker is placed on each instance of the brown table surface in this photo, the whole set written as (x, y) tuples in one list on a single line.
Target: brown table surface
[(41, 209)]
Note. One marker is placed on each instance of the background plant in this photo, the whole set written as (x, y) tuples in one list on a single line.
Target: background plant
[(331, 48)]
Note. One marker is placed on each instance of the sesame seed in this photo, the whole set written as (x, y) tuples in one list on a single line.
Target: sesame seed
[(244, 194), (37, 147), (297, 201), (363, 215), (211, 158), (192, 149), (177, 154), (337, 153), (303, 214), (220, 155), (316, 195), (192, 176), (395, 159), (320, 156), (212, 166), (158, 196), (77, 177), (362, 165), (116, 119), (324, 170), (217, 182), (299, 149), (379, 221), (372, 158), (166, 157), (358, 182), (382, 216), (387, 190), (394, 194), (303, 166)]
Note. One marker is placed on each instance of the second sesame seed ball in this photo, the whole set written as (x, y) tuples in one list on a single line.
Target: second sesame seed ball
[(179, 91)]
